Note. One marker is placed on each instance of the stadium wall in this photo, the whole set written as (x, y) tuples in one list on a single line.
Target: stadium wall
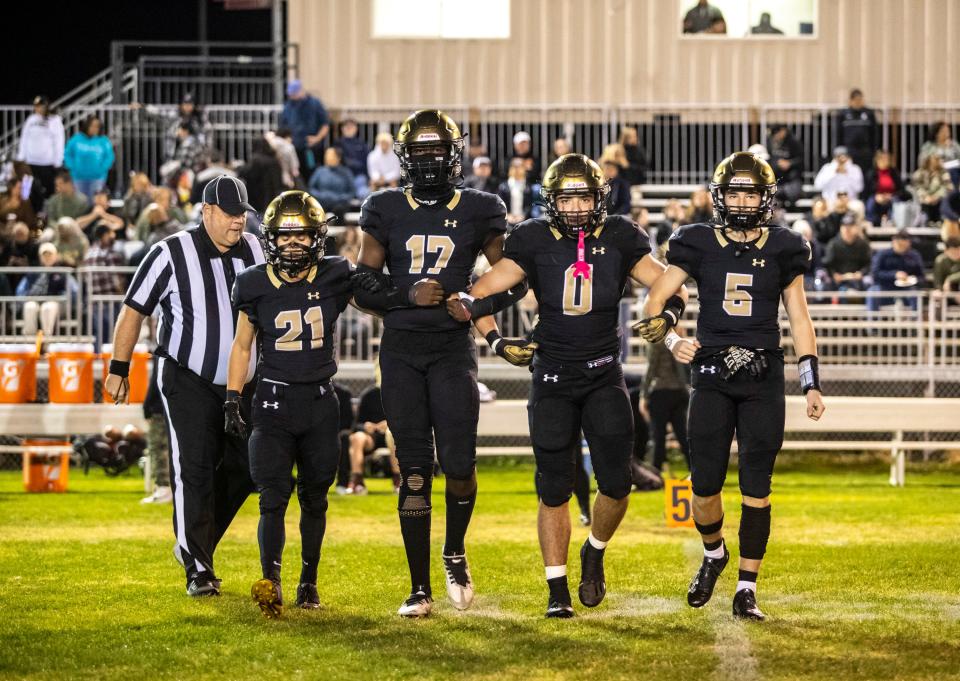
[(574, 52)]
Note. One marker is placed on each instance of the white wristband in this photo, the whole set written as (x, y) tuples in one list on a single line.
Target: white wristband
[(672, 339), (466, 296)]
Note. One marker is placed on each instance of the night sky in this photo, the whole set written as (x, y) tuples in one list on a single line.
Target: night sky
[(68, 42)]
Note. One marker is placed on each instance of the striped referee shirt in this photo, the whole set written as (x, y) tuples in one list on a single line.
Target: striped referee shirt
[(190, 280)]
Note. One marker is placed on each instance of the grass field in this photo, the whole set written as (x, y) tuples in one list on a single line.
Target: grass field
[(861, 581)]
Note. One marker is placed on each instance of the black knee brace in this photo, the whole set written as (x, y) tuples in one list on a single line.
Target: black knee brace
[(554, 490), (274, 499), (415, 486), (710, 528), (755, 482), (754, 532), (616, 488)]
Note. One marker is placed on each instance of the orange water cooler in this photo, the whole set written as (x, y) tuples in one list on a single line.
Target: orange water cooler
[(46, 471), (18, 373), (139, 372), (71, 373)]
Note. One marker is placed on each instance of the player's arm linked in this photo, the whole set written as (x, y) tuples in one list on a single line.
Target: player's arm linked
[(664, 307)]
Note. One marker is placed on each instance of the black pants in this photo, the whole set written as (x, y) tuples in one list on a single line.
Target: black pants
[(565, 400), (45, 176), (754, 409), (668, 406), (210, 469), (296, 423), (429, 391)]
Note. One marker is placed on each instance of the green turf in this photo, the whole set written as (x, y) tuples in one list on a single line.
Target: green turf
[(860, 582)]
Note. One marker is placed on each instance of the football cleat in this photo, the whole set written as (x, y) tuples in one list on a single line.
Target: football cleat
[(268, 595), (160, 495), (701, 588), (745, 606), (559, 609), (307, 596), (418, 604), (198, 587), (592, 585), (459, 582), (357, 486)]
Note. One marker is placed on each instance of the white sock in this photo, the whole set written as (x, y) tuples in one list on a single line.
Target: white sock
[(741, 585), (596, 543), (554, 571), (715, 553)]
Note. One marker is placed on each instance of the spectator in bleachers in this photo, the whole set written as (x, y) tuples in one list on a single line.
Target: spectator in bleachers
[(89, 157), (786, 158), (41, 143), (898, 268), (672, 219), (701, 17), (149, 218), (856, 129), (45, 284), (103, 253), (355, 152), (815, 277), (517, 193), (848, 257), (482, 178), (66, 200), (262, 174), (100, 215), (930, 184), (30, 189), (383, 166), (700, 208), (189, 153), (561, 146), (635, 171), (828, 226), (332, 183), (882, 188), (156, 224), (523, 149), (282, 143), (618, 200), (308, 122), (718, 25), (348, 243), (213, 166), (665, 399), (946, 268), (940, 143), (369, 434), (950, 212), (138, 197), (840, 175), (13, 204), (70, 241), (188, 113)]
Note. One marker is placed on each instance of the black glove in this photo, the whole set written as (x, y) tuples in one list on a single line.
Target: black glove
[(233, 422), (368, 280), (517, 351)]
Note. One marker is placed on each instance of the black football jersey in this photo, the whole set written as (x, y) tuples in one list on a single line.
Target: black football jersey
[(296, 322), (579, 317), (431, 242), (739, 294)]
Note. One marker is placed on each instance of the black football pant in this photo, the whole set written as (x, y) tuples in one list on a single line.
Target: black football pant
[(668, 406), (293, 424), (565, 400), (718, 408), (210, 471)]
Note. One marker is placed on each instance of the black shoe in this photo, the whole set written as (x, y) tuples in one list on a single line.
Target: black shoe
[(592, 586), (701, 588), (268, 596), (307, 596), (559, 608), (745, 606), (199, 587)]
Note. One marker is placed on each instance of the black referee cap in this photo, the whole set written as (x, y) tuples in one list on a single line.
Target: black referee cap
[(229, 194)]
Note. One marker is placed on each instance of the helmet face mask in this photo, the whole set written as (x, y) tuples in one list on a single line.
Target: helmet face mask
[(430, 148), (570, 176), (743, 173), (291, 213)]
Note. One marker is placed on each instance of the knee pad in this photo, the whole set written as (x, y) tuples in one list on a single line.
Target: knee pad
[(553, 488), (755, 482), (754, 532), (416, 484), (274, 499), (313, 498), (414, 449), (615, 485), (462, 487), (708, 471), (552, 424)]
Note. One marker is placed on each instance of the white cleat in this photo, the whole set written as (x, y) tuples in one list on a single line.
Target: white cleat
[(418, 604), (459, 582), (161, 495)]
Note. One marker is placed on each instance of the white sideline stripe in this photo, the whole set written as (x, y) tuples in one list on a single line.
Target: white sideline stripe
[(732, 645)]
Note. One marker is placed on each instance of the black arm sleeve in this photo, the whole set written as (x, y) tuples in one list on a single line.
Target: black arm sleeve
[(484, 307), (390, 297)]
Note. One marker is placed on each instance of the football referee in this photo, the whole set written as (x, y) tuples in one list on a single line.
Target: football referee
[(189, 275)]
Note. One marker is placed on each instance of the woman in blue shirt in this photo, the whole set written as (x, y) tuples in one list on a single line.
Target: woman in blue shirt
[(89, 157)]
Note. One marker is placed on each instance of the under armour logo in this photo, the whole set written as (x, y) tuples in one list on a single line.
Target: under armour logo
[(599, 250), (271, 405), (313, 296), (708, 369), (759, 263), (553, 379), (450, 223)]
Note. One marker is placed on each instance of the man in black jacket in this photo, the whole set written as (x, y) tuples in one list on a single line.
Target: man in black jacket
[(856, 129), (786, 157)]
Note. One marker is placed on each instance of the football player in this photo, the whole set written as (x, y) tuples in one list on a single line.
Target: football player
[(743, 268), (577, 260), (290, 304), (428, 233)]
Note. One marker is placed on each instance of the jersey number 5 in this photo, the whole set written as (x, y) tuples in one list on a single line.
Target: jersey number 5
[(737, 302), (290, 319), (420, 244)]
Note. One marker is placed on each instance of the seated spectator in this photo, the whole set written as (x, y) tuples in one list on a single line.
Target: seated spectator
[(765, 27), (70, 241), (332, 183), (523, 149), (23, 251), (89, 157), (786, 159), (930, 184), (701, 17), (815, 277), (262, 174), (828, 226), (103, 253), (348, 243), (282, 143), (883, 186), (138, 197), (162, 197), (482, 178), (848, 257), (561, 147), (517, 193), (899, 268), (156, 225), (39, 284), (618, 200), (672, 219), (635, 171), (839, 175), (182, 186), (383, 166), (941, 143), (700, 208), (66, 202), (100, 215), (370, 434), (946, 268), (189, 152), (213, 166), (31, 189), (718, 25), (950, 212), (14, 206), (355, 152)]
